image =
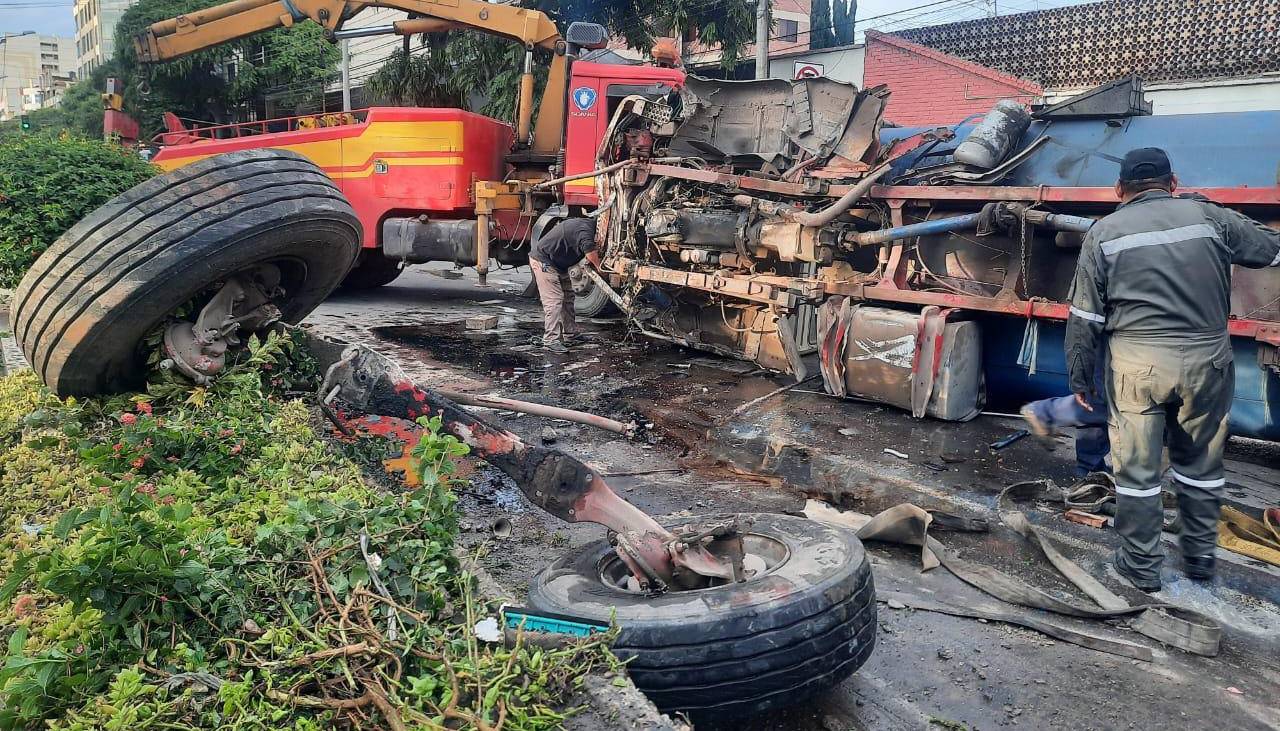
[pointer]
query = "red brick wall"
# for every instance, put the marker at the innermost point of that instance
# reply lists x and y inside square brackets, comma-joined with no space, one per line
[931,88]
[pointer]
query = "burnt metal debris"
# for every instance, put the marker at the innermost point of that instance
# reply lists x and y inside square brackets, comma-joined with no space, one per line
[658,558]
[770,220]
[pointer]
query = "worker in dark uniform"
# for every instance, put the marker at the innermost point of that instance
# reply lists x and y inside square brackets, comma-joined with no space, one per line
[553,255]
[1154,281]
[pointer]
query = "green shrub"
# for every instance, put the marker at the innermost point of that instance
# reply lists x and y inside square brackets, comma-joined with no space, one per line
[204,558]
[48,183]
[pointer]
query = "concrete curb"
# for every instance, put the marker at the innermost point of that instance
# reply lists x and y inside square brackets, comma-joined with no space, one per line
[11,358]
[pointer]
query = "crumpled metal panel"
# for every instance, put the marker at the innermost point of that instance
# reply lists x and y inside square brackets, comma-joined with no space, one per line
[767,122]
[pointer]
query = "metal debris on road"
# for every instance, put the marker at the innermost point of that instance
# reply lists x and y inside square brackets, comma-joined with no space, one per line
[1006,441]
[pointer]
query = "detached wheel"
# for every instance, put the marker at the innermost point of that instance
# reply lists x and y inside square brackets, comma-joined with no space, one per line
[804,623]
[265,216]
[589,300]
[372,270]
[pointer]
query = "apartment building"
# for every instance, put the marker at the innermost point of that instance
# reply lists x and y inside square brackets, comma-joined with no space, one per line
[95,32]
[28,61]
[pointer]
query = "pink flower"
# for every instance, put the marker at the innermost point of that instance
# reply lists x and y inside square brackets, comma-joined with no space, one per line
[225,433]
[144,408]
[104,490]
[138,463]
[169,500]
[117,447]
[128,419]
[238,448]
[147,488]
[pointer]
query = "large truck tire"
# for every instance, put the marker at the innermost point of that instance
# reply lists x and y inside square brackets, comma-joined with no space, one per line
[737,649]
[86,304]
[372,270]
[589,300]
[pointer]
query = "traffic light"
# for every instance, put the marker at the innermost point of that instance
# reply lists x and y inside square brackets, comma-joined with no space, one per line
[24,122]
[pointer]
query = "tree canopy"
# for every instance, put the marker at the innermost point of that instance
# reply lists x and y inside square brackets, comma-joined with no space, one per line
[821,34]
[218,84]
[456,65]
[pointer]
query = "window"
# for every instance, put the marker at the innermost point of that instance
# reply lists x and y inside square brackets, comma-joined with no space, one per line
[788,30]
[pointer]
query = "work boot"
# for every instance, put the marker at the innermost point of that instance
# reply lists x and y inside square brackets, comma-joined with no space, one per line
[555,346]
[1199,568]
[1150,586]
[1038,427]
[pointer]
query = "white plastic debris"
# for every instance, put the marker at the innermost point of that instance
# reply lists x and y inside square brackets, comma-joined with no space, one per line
[486,630]
[896,453]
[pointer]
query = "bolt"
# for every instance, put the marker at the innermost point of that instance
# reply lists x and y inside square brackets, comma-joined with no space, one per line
[587,478]
[571,511]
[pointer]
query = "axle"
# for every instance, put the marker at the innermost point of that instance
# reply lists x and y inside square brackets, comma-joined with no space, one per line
[554,481]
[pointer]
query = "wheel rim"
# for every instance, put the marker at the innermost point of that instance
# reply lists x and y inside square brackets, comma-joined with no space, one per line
[763,555]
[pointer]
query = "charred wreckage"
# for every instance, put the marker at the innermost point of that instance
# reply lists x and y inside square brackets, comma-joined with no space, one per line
[771,220]
[766,220]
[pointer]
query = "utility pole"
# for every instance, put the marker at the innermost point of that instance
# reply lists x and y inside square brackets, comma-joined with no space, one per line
[346,74]
[762,39]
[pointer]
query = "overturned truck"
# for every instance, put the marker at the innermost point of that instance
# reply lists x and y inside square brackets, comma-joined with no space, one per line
[926,268]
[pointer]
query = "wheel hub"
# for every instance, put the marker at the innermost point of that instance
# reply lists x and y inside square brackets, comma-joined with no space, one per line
[243,303]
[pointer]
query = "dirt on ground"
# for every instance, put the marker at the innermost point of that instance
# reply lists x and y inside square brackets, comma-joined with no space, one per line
[693,454]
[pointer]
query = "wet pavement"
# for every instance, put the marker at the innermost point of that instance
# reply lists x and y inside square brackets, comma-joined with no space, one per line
[696,455]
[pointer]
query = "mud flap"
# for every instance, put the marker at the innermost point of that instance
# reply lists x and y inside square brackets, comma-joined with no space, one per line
[928,358]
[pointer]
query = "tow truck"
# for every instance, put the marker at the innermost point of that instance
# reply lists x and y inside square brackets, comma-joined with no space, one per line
[431,184]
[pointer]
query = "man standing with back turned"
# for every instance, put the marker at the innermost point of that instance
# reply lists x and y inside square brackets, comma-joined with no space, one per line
[1154,279]
[553,255]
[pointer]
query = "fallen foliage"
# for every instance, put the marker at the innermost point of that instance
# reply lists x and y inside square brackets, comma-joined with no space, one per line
[202,558]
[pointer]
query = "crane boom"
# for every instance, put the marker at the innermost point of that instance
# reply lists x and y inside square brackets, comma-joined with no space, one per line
[170,39]
[176,37]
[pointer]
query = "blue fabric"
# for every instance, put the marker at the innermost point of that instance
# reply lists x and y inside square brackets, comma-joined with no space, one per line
[1092,441]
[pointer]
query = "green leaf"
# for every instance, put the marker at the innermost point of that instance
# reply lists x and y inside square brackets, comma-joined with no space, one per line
[18,640]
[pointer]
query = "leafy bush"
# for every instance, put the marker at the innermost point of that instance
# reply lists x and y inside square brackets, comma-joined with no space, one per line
[48,183]
[202,558]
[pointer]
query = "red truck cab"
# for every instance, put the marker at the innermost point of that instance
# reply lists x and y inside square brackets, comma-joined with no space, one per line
[595,90]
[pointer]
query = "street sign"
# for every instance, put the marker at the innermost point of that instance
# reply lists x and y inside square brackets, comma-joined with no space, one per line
[808,70]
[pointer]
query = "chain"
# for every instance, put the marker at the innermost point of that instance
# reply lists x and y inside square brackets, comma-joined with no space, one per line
[1025,254]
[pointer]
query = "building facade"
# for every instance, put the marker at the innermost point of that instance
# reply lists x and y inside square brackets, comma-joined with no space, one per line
[95,32]
[32,64]
[930,87]
[1193,56]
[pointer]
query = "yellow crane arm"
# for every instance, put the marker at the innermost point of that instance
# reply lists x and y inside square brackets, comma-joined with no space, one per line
[170,39]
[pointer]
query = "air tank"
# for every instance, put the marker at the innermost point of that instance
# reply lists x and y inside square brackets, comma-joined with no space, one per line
[994,137]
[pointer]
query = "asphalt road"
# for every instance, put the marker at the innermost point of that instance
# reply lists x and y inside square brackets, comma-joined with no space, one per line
[929,670]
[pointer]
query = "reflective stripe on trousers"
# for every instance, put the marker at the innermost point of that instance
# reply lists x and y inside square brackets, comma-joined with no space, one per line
[1180,386]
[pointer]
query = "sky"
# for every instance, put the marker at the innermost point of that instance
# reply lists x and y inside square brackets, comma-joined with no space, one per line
[55,16]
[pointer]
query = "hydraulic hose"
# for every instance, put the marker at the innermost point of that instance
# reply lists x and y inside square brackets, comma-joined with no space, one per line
[846,201]
[816,218]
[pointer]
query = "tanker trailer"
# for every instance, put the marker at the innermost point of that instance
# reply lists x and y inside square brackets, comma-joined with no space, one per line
[788,224]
